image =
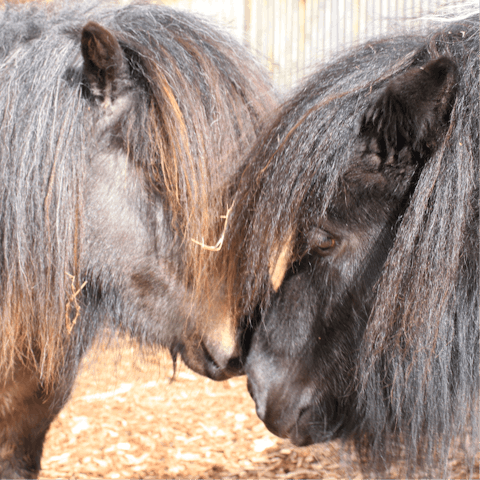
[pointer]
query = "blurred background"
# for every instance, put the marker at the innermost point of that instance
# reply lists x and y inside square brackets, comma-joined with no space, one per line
[292,36]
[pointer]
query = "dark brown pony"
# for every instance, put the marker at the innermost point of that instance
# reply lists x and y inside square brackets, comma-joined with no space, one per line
[119,129]
[353,248]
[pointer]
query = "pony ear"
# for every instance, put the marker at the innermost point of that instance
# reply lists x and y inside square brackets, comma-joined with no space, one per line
[103,60]
[413,111]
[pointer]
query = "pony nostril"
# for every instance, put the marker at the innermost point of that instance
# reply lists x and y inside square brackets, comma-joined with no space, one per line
[208,357]
[303,411]
[217,370]
[235,366]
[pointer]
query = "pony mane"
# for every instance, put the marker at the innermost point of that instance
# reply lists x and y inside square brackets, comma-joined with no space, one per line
[305,148]
[42,152]
[207,101]
[419,374]
[204,100]
[418,378]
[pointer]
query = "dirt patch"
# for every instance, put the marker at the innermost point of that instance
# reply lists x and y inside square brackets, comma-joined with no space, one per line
[127,419]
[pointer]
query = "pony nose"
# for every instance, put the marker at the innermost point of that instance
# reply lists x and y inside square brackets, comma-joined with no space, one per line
[223,357]
[266,409]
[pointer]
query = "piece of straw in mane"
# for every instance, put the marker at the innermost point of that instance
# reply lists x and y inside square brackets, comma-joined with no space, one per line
[218,246]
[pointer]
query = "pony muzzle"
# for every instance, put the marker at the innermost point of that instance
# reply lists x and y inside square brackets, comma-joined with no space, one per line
[216,352]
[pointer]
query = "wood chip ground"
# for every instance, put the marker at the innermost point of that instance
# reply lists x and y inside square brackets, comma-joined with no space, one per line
[128,419]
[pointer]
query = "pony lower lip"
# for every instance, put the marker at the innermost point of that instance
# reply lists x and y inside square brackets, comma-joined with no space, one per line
[295,431]
[299,434]
[301,441]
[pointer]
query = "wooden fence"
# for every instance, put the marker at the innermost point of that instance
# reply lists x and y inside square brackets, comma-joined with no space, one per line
[291,36]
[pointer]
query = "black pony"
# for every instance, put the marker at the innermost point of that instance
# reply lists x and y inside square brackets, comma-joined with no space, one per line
[119,129]
[354,239]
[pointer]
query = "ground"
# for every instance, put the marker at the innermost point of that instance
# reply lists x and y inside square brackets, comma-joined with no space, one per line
[128,419]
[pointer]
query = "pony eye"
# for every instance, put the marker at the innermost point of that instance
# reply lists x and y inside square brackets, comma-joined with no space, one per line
[326,244]
[321,241]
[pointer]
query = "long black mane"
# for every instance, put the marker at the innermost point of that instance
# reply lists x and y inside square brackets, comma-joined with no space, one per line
[418,365]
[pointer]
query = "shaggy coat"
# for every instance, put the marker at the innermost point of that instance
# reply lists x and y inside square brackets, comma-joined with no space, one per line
[353,249]
[119,128]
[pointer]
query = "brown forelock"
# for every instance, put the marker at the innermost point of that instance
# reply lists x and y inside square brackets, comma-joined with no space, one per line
[197,139]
